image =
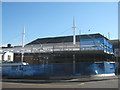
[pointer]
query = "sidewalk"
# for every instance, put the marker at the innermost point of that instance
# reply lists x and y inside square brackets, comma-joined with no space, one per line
[53,81]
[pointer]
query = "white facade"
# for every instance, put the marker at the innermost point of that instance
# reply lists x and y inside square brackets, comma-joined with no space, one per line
[8,56]
[1,57]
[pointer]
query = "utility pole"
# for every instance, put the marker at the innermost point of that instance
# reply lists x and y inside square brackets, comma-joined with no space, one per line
[74,32]
[23,38]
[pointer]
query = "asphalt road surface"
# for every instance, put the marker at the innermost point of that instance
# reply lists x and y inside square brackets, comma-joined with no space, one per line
[113,83]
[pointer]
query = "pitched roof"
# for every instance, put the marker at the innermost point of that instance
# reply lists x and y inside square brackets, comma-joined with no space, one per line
[65,39]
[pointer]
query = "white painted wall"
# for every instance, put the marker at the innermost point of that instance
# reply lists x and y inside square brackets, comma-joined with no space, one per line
[1,58]
[8,56]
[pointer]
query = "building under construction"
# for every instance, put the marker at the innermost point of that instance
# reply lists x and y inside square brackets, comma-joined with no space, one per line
[86,55]
[88,48]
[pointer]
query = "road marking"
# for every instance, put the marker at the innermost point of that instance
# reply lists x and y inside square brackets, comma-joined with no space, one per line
[60,85]
[23,83]
[81,84]
[42,84]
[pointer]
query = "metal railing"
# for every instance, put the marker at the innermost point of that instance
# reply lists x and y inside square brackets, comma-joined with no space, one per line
[51,48]
[42,49]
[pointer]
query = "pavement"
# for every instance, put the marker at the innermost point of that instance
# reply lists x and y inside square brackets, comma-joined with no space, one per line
[93,82]
[73,83]
[53,81]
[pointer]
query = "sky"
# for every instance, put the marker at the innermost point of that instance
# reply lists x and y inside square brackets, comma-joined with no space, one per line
[54,19]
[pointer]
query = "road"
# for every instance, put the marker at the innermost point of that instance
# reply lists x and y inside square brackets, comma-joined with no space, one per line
[113,83]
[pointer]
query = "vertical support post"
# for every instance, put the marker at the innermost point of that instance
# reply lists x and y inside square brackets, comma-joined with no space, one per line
[74,32]
[74,66]
[23,36]
[80,38]
[44,65]
[22,56]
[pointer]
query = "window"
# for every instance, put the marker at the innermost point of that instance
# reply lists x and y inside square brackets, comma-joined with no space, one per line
[9,57]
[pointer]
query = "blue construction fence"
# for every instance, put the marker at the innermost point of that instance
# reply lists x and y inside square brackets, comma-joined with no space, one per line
[70,69]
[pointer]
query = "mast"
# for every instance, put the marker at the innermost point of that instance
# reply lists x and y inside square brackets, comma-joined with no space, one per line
[74,43]
[74,32]
[23,36]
